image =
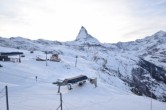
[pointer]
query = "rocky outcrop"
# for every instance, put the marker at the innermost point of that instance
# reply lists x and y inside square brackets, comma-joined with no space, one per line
[149,79]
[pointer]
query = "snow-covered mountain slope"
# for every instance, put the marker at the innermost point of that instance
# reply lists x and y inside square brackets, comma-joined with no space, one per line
[28,94]
[27,44]
[122,69]
[147,46]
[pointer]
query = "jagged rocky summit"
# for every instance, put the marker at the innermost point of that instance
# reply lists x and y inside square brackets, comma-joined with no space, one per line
[84,38]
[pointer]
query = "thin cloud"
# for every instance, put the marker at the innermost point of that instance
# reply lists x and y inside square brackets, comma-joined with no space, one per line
[107,20]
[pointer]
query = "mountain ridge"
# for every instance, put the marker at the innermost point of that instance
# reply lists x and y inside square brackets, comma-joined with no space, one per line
[121,60]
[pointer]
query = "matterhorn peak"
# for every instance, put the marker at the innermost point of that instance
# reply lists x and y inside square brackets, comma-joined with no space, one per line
[84,37]
[83,34]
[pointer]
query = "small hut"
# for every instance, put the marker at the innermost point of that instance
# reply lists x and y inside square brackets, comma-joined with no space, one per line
[55,57]
[4,56]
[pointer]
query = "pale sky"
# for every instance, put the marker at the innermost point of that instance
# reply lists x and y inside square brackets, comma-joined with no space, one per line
[109,21]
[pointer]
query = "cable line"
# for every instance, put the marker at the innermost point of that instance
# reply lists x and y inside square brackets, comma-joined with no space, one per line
[27,78]
[2,96]
[2,90]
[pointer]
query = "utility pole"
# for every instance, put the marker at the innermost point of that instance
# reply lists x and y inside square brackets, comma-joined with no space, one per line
[151,91]
[58,83]
[59,87]
[61,100]
[7,104]
[151,102]
[19,59]
[76,61]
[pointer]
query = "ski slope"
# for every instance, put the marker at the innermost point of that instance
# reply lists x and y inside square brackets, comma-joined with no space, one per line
[25,93]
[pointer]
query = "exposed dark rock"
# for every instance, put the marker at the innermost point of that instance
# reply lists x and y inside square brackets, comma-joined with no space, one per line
[156,72]
[146,76]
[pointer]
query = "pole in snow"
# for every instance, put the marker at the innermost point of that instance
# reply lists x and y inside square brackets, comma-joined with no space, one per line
[61,101]
[76,61]
[151,91]
[46,57]
[7,103]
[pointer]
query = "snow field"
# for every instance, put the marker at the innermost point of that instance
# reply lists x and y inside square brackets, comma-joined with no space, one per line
[25,93]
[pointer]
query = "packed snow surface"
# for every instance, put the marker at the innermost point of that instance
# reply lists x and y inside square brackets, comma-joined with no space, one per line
[25,93]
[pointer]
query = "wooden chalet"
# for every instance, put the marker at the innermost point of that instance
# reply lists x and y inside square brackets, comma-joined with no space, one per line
[55,57]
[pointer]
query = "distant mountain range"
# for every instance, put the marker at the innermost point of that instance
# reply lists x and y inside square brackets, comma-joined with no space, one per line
[140,64]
